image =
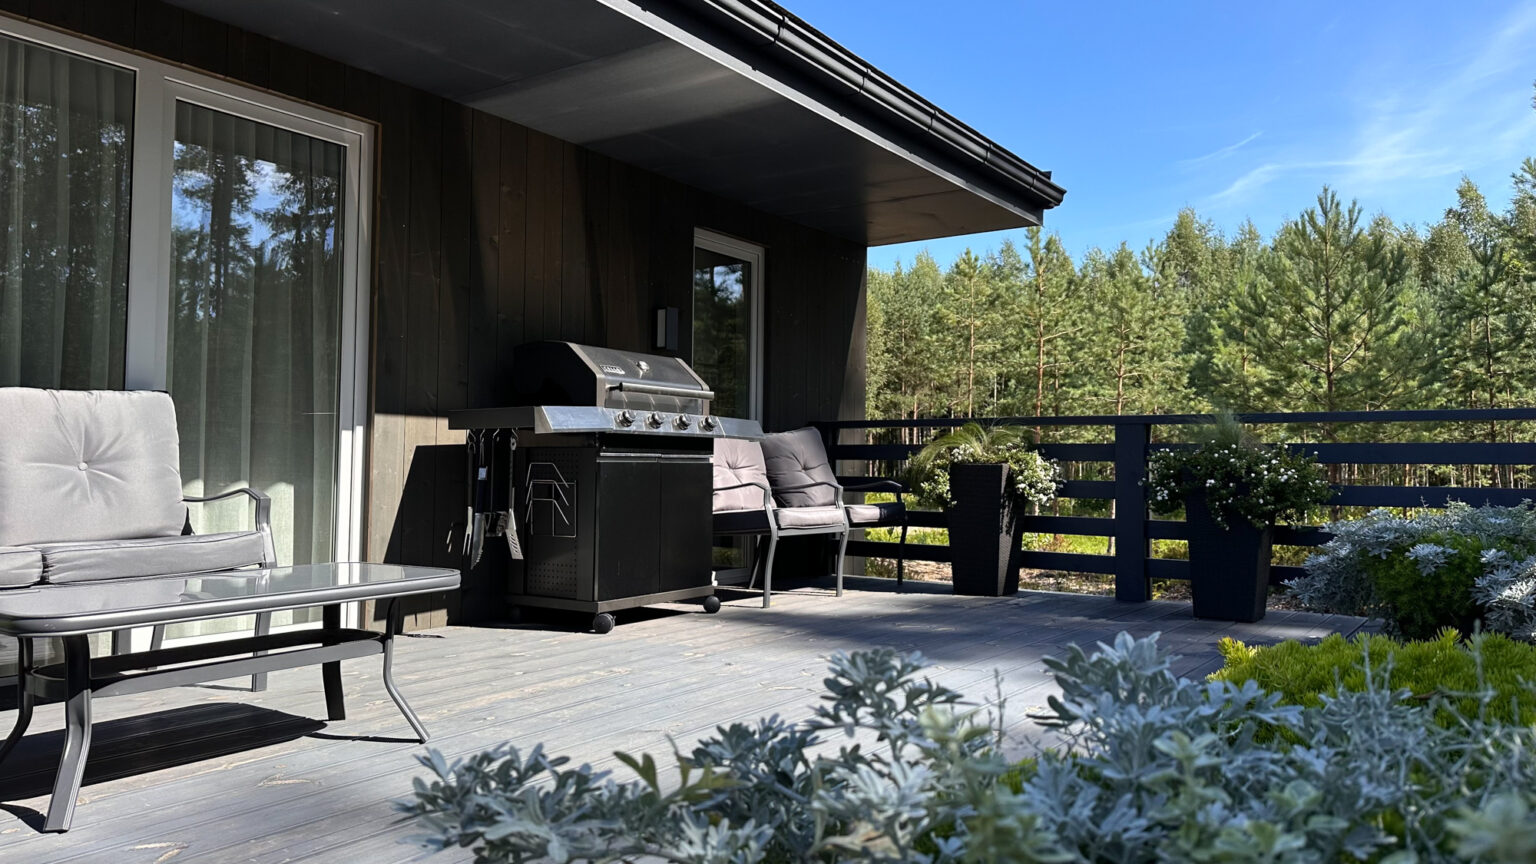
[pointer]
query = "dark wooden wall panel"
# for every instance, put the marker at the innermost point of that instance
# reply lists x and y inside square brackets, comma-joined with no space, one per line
[487,234]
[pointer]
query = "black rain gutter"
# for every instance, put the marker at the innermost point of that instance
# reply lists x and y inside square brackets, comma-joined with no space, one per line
[789,43]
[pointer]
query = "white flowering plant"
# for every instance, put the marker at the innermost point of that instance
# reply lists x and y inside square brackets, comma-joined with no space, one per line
[1034,478]
[1240,478]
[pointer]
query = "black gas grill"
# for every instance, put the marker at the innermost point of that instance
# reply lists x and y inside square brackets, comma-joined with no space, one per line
[599,479]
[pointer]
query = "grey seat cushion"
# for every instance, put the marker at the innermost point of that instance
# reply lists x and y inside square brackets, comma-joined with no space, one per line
[87,465]
[741,521]
[20,566]
[795,459]
[810,517]
[801,518]
[149,556]
[738,461]
[887,513]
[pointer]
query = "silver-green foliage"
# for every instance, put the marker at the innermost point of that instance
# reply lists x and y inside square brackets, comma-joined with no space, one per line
[1338,580]
[1154,767]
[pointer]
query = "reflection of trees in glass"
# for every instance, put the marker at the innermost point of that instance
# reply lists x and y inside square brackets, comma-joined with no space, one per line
[721,323]
[64,185]
[255,328]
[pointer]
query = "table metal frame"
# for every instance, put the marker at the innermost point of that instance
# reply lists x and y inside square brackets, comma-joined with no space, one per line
[81,678]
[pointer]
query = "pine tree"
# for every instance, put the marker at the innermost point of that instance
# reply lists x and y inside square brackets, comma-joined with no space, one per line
[1325,322]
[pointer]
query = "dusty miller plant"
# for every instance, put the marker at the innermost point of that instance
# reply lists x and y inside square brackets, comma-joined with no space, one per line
[912,765]
[1338,579]
[1152,767]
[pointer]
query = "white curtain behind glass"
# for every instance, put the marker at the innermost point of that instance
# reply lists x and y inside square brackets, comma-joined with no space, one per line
[64,185]
[255,322]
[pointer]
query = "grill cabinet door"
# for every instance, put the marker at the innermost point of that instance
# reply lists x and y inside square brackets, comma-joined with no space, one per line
[628,526]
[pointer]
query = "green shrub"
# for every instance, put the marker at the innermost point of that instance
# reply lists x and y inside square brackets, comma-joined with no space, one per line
[1423,600]
[1445,666]
[1454,567]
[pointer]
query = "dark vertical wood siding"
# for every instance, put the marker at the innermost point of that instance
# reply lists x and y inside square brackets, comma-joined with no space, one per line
[488,234]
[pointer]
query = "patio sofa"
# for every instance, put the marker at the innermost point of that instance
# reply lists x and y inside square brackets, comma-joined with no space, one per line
[785,486]
[90,489]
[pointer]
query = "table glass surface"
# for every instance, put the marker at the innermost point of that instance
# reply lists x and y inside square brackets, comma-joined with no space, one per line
[336,582]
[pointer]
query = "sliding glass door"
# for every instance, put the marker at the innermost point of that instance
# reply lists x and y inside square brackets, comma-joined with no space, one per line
[254,347]
[164,230]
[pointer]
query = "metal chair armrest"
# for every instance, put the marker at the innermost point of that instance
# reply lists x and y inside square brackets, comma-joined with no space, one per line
[852,484]
[263,503]
[263,516]
[767,492]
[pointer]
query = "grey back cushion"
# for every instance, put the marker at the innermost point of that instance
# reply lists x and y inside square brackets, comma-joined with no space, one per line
[738,461]
[796,459]
[87,465]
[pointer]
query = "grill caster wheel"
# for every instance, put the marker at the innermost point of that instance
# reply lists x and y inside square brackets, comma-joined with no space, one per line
[711,604]
[602,622]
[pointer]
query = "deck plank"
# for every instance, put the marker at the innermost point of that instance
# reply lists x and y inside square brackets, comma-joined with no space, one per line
[254,777]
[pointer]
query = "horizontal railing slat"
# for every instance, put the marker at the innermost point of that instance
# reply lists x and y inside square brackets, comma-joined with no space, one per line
[1079,452]
[1450,415]
[927,518]
[1167,568]
[1428,496]
[1422,453]
[871,452]
[1087,489]
[909,551]
[1285,535]
[1284,573]
[1072,562]
[1090,525]
[1300,535]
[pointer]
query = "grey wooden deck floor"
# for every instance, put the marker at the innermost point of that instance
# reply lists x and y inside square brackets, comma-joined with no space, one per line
[216,774]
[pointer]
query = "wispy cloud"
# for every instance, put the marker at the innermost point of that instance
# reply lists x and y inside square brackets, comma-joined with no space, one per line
[1410,124]
[1220,153]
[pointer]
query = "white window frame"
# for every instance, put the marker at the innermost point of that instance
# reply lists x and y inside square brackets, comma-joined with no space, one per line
[752,253]
[157,87]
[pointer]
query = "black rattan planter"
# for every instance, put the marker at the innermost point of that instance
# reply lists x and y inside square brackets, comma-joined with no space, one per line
[1228,567]
[984,531]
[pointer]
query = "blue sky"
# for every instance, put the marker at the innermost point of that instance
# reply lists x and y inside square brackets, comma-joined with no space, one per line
[1236,109]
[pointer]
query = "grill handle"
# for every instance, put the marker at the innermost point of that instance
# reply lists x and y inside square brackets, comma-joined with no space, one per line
[662,390]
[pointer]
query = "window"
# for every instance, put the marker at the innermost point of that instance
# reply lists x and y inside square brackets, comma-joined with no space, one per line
[65,148]
[727,316]
[164,230]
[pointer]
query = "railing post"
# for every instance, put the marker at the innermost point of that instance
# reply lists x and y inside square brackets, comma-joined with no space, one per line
[1131,547]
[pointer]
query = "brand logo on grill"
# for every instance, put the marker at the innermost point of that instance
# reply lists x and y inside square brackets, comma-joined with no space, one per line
[613,370]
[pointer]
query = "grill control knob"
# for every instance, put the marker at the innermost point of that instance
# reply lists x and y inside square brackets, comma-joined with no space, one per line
[708,424]
[654,421]
[682,422]
[626,418]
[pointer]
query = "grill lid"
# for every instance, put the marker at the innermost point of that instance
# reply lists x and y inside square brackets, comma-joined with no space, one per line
[565,373]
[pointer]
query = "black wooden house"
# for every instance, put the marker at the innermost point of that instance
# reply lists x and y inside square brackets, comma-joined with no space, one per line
[324,224]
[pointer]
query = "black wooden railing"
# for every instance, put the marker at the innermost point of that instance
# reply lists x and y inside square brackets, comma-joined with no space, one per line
[1131,442]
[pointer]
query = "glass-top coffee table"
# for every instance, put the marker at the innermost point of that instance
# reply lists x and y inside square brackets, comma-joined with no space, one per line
[74,611]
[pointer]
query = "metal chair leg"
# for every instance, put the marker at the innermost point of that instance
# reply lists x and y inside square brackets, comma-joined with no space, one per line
[330,673]
[842,549]
[77,736]
[901,557]
[24,697]
[393,616]
[773,543]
